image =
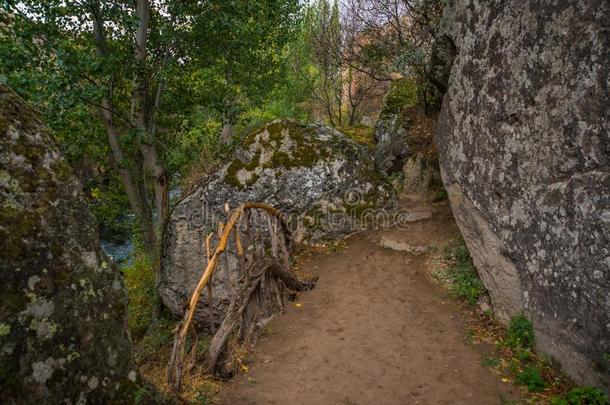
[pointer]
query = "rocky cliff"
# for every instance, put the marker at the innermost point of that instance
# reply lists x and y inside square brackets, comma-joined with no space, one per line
[323,182]
[63,335]
[524,139]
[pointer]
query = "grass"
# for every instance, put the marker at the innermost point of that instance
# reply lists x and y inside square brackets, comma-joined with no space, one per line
[514,357]
[460,275]
[490,362]
[140,283]
[153,340]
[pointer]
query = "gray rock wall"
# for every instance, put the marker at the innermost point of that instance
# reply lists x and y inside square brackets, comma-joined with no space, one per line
[63,335]
[524,139]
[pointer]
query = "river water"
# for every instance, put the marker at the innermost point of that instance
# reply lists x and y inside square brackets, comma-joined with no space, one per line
[120,249]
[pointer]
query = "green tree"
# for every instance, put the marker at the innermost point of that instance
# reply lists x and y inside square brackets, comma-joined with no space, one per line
[243,53]
[121,82]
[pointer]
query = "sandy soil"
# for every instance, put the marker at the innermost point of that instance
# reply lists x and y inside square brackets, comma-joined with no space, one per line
[375,330]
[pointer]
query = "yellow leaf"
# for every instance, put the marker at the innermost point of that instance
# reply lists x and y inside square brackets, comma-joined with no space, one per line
[505,380]
[298,305]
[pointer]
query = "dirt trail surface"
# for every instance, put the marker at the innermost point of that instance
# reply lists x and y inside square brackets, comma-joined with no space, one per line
[375,330]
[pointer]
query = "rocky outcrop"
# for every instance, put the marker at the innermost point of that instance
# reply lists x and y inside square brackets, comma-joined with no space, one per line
[322,181]
[391,150]
[63,336]
[524,139]
[420,174]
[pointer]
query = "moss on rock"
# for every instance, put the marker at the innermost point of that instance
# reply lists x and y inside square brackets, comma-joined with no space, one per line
[63,330]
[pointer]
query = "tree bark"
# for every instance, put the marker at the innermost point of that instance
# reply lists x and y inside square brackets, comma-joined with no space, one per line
[143,118]
[135,194]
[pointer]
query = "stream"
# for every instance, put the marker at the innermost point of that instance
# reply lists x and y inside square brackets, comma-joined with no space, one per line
[119,246]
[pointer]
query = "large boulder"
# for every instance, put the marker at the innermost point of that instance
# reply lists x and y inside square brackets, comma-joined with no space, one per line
[524,139]
[391,149]
[324,182]
[63,336]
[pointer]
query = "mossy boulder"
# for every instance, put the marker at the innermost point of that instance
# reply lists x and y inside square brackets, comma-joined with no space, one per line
[324,182]
[391,150]
[62,303]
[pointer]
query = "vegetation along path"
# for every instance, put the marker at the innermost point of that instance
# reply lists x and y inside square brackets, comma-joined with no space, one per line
[376,329]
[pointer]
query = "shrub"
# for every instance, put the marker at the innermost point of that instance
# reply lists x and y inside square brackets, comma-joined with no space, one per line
[140,282]
[583,396]
[520,332]
[403,93]
[530,377]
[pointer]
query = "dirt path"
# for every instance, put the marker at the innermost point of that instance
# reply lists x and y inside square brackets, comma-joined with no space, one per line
[375,330]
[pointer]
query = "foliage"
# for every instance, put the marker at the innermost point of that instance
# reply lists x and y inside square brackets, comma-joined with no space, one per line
[583,396]
[461,274]
[140,283]
[440,195]
[160,108]
[245,41]
[520,332]
[158,335]
[530,376]
[403,93]
[394,38]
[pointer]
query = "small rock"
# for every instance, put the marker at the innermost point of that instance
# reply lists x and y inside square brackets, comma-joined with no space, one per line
[401,246]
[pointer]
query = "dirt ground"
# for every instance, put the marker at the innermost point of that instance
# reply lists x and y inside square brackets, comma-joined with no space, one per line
[375,330]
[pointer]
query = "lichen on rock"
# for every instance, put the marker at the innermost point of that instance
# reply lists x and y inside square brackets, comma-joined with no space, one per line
[524,148]
[56,288]
[322,181]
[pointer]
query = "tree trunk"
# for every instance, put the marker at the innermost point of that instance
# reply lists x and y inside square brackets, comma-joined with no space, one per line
[137,200]
[142,117]
[136,192]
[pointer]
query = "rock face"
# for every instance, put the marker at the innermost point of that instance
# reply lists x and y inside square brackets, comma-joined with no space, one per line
[419,174]
[391,128]
[63,335]
[524,139]
[323,181]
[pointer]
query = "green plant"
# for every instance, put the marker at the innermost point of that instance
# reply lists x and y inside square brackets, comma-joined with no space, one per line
[490,362]
[141,394]
[530,377]
[204,393]
[462,276]
[523,354]
[582,396]
[157,336]
[520,332]
[440,195]
[140,282]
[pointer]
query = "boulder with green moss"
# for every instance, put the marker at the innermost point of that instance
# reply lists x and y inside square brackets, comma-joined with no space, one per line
[391,150]
[63,335]
[324,182]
